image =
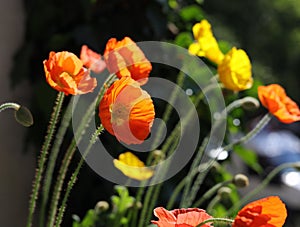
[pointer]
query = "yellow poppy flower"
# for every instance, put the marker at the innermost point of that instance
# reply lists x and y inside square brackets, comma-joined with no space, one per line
[131,166]
[235,70]
[206,44]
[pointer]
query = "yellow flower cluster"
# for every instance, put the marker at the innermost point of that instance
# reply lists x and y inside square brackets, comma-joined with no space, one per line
[234,68]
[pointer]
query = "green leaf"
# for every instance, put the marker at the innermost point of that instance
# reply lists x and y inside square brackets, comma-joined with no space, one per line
[224,46]
[191,13]
[123,201]
[184,39]
[248,157]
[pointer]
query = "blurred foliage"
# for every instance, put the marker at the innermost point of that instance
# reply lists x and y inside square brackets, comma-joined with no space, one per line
[268,31]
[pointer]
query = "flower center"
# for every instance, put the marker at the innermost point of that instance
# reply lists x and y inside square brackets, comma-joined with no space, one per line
[119,113]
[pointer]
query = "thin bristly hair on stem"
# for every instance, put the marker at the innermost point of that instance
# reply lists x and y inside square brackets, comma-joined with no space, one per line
[74,176]
[43,156]
[52,159]
[71,150]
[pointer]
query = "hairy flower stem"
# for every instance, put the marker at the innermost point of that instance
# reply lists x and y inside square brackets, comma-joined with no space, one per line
[43,157]
[152,199]
[52,159]
[189,195]
[225,220]
[185,197]
[178,189]
[9,105]
[260,125]
[259,188]
[71,150]
[74,176]
[166,115]
[169,142]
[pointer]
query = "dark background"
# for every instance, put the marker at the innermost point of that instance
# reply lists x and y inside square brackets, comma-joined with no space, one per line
[267,30]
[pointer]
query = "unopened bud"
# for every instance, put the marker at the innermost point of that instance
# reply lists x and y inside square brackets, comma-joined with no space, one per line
[101,206]
[158,155]
[250,103]
[23,116]
[224,192]
[240,180]
[138,205]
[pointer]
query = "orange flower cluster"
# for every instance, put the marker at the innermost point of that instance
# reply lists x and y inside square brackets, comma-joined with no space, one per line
[125,58]
[126,110]
[266,212]
[274,98]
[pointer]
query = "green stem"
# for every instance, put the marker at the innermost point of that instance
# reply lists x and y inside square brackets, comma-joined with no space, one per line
[212,203]
[226,220]
[259,188]
[59,182]
[178,188]
[188,195]
[52,160]
[71,150]
[43,156]
[149,193]
[167,112]
[260,125]
[74,176]
[166,146]
[9,105]
[65,165]
[208,194]
[187,198]
[157,187]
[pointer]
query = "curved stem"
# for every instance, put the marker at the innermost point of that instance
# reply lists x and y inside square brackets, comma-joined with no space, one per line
[260,187]
[214,201]
[210,192]
[9,105]
[226,220]
[260,125]
[43,156]
[74,176]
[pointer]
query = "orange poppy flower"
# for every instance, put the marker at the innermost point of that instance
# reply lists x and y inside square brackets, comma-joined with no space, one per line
[189,217]
[127,111]
[266,212]
[274,98]
[125,58]
[92,60]
[65,72]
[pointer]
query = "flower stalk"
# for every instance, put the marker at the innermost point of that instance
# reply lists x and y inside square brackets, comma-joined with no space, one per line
[43,157]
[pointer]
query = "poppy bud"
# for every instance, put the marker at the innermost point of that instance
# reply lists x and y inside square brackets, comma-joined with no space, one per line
[240,180]
[101,206]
